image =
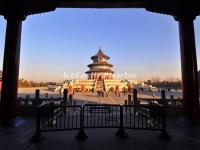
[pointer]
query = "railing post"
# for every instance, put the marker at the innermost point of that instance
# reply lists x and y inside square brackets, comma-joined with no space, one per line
[70,99]
[65,93]
[121,131]
[164,135]
[38,136]
[129,99]
[81,134]
[135,98]
[163,98]
[125,102]
[37,96]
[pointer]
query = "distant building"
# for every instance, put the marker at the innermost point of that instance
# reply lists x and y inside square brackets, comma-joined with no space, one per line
[100,78]
[100,69]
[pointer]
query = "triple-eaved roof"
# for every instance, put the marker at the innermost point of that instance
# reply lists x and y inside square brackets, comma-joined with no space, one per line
[100,54]
[95,70]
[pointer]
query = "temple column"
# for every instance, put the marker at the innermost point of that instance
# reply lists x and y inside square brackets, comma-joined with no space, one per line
[189,68]
[10,69]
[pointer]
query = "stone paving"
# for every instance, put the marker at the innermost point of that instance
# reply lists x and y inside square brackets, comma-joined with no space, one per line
[84,98]
[184,137]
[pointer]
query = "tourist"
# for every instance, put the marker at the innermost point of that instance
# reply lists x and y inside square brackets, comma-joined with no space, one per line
[153,94]
[106,94]
[102,93]
[98,93]
[124,92]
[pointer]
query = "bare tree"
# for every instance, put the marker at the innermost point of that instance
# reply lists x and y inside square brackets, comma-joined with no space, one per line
[155,79]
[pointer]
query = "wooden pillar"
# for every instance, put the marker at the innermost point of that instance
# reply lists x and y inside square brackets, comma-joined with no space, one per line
[189,68]
[10,69]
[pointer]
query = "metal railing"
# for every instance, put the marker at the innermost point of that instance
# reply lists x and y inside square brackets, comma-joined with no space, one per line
[52,117]
[146,117]
[101,116]
[29,106]
[58,118]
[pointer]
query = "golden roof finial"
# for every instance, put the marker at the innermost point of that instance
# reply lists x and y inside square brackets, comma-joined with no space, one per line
[100,47]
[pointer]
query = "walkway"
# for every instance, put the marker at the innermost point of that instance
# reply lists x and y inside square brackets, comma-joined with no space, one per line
[101,139]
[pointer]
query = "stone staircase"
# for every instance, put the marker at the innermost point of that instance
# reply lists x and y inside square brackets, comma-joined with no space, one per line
[100,86]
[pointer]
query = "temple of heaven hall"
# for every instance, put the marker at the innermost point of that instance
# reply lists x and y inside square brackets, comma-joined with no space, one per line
[100,69]
[100,77]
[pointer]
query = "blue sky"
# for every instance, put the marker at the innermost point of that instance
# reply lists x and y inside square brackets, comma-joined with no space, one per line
[137,41]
